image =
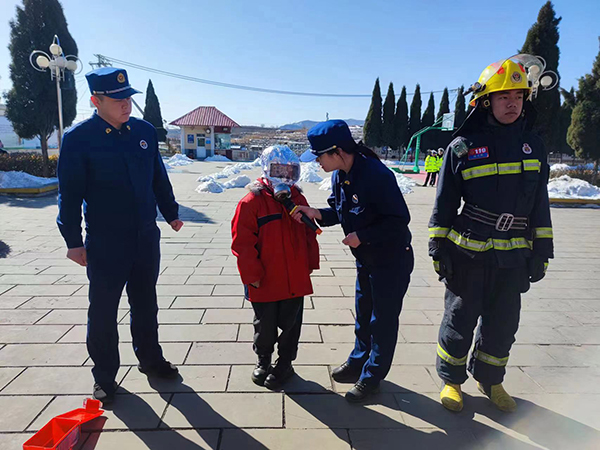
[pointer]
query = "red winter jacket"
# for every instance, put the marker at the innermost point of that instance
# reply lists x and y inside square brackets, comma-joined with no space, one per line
[273,248]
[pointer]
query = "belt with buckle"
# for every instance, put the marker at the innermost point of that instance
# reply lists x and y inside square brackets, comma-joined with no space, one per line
[501,222]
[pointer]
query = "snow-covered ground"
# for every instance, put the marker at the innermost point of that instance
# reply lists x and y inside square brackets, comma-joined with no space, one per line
[559,167]
[210,186]
[20,180]
[567,187]
[217,158]
[310,173]
[179,160]
[237,182]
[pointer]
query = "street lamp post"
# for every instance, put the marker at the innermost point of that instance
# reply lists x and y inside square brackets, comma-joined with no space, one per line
[57,63]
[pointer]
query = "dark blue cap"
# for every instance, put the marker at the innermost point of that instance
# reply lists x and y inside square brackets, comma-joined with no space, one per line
[327,136]
[110,81]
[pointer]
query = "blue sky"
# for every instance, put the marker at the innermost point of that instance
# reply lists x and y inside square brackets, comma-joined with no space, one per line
[310,46]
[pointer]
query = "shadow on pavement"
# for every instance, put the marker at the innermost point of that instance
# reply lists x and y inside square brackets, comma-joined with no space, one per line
[198,413]
[424,423]
[4,249]
[30,202]
[190,215]
[543,426]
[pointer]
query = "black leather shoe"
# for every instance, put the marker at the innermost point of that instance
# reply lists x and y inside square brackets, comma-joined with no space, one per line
[346,373]
[163,369]
[361,391]
[282,372]
[106,396]
[262,370]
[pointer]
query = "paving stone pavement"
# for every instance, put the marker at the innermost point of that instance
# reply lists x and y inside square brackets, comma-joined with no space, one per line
[554,369]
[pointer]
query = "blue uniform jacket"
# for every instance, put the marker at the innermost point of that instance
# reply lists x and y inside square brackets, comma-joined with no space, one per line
[118,175]
[368,201]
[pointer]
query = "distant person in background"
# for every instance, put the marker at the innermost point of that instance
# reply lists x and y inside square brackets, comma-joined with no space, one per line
[431,167]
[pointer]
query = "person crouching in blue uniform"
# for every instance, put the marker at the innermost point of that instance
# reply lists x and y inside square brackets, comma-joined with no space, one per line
[110,163]
[367,202]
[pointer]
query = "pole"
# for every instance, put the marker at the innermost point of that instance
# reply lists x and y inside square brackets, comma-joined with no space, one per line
[60,115]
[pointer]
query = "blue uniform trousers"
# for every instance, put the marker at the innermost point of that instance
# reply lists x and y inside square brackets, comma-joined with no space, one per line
[380,291]
[494,295]
[115,260]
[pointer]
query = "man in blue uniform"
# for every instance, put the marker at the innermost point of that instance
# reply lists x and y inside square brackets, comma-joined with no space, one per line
[110,163]
[369,205]
[500,242]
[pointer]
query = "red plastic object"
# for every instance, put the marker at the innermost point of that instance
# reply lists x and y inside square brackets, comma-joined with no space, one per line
[63,432]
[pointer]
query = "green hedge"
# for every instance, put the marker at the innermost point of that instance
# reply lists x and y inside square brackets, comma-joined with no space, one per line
[31,163]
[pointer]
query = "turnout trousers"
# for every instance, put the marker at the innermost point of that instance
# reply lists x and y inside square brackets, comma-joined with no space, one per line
[488,295]
[268,317]
[117,260]
[380,292]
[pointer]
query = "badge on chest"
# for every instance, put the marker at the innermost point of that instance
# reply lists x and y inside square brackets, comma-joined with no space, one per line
[478,153]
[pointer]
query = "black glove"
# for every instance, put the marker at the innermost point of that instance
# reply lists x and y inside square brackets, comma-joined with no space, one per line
[442,263]
[537,268]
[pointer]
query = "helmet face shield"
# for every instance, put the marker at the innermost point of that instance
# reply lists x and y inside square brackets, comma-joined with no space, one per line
[520,71]
[280,165]
[287,171]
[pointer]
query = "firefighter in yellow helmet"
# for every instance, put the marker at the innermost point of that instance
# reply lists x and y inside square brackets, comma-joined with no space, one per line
[488,253]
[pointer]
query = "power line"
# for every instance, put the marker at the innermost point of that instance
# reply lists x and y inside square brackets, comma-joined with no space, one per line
[106,59]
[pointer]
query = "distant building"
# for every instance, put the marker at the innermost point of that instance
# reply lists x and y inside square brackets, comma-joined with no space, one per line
[205,132]
[11,140]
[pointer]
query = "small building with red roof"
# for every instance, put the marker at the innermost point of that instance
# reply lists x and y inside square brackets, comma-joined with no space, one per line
[205,131]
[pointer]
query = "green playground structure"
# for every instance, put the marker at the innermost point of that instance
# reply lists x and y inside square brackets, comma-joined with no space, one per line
[444,123]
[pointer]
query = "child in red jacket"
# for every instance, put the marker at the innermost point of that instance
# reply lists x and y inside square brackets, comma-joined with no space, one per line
[276,256]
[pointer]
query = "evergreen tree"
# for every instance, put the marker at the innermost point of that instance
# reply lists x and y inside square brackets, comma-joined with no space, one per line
[444,105]
[542,40]
[584,133]
[152,112]
[460,113]
[566,111]
[414,123]
[429,114]
[388,117]
[401,122]
[373,127]
[31,104]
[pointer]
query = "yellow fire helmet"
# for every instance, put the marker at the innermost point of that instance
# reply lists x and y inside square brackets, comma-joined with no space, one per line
[524,72]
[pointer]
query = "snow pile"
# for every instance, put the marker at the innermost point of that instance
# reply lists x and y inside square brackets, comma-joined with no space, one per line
[404,183]
[326,184]
[256,162]
[309,173]
[210,186]
[230,170]
[179,160]
[559,167]
[217,158]
[245,166]
[17,180]
[567,187]
[238,182]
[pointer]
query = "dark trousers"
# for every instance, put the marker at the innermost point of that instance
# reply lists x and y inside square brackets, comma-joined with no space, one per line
[117,260]
[430,176]
[268,317]
[379,295]
[489,293]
